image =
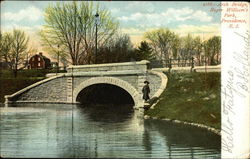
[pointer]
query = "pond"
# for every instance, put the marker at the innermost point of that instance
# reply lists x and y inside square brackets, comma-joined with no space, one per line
[65,130]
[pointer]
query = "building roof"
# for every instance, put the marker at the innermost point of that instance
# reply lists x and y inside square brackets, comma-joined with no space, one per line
[42,56]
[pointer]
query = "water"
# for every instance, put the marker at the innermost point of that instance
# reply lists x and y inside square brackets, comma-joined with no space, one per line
[58,130]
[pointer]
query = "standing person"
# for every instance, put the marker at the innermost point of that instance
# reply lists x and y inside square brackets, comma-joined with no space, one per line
[146,91]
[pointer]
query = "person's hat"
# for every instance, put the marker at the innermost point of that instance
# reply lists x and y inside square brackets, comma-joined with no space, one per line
[146,82]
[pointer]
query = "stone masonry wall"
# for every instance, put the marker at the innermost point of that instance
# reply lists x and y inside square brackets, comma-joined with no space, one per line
[131,79]
[155,83]
[51,91]
[56,89]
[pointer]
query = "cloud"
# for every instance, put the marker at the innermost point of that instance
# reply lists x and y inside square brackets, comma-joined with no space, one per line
[182,14]
[202,16]
[166,17]
[30,13]
[115,10]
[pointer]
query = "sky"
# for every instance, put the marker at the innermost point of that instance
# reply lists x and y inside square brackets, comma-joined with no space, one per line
[135,17]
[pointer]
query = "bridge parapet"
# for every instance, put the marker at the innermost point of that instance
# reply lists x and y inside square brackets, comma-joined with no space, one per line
[126,66]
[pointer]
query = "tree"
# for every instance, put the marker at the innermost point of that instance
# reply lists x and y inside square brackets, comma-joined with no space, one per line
[118,49]
[144,52]
[5,46]
[217,48]
[72,26]
[188,44]
[198,49]
[176,46]
[14,49]
[212,48]
[162,41]
[19,49]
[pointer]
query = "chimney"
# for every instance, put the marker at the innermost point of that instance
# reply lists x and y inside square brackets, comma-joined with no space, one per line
[40,53]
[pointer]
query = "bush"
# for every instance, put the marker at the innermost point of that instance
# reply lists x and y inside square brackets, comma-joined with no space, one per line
[28,73]
[12,85]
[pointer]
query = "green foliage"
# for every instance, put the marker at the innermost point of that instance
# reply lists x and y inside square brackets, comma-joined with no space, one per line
[212,48]
[192,97]
[144,52]
[29,73]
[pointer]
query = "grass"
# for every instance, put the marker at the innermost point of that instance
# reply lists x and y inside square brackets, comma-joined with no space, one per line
[10,85]
[191,97]
[28,73]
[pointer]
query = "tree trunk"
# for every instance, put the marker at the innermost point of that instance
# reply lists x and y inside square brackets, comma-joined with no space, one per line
[15,73]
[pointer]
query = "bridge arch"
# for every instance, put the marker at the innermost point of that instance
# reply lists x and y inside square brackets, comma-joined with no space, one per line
[108,80]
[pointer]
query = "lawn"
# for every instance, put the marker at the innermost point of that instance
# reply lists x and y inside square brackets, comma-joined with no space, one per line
[191,97]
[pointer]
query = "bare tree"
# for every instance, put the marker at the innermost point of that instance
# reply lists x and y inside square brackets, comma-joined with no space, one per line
[212,48]
[72,26]
[162,42]
[19,49]
[5,46]
[118,49]
[198,49]
[14,49]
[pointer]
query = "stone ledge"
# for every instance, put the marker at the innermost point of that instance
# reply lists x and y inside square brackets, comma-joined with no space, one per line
[106,73]
[143,62]
[216,68]
[216,131]
[7,97]
[164,80]
[37,101]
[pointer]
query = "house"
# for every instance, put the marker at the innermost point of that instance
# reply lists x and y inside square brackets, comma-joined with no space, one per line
[39,61]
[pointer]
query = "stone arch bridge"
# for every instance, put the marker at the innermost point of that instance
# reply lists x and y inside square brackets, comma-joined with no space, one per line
[65,87]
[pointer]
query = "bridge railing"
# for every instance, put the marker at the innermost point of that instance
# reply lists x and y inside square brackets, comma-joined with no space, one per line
[125,66]
[172,62]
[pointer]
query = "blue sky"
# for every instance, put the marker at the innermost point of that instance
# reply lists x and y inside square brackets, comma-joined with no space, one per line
[135,17]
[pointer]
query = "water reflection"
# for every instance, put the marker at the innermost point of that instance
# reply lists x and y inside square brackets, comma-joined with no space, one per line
[106,113]
[50,130]
[184,139]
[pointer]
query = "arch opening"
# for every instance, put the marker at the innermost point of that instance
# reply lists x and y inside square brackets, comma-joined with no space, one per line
[104,94]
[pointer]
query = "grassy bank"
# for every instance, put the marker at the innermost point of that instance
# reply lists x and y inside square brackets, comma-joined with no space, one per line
[191,97]
[10,85]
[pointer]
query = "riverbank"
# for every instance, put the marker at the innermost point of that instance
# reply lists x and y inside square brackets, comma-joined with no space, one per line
[190,98]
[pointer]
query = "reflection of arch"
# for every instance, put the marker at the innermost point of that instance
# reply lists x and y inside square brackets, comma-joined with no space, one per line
[108,80]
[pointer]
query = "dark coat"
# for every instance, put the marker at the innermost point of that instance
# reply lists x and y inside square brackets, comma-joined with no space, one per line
[146,91]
